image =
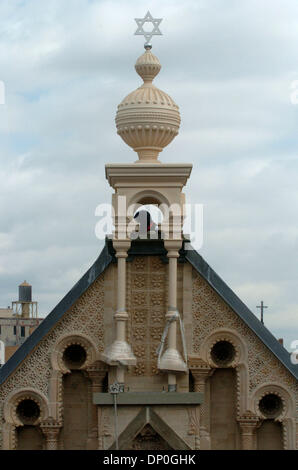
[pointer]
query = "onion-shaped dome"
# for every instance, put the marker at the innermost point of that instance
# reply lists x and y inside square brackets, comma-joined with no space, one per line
[148,119]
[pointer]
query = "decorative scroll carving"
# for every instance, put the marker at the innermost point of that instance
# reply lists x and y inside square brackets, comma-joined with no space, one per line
[148,439]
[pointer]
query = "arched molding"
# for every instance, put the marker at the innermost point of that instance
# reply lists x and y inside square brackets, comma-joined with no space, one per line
[171,209]
[69,340]
[59,368]
[286,416]
[16,397]
[148,197]
[288,403]
[224,334]
[239,362]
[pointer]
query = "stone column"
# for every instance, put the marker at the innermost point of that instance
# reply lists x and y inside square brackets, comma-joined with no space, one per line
[96,376]
[172,247]
[9,436]
[119,353]
[172,306]
[248,425]
[121,315]
[104,430]
[51,429]
[200,376]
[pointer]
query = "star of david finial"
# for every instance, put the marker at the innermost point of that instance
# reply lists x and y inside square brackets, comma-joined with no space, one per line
[148,18]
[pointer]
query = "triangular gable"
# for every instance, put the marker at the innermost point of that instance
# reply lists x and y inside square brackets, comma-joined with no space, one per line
[231,299]
[148,416]
[145,248]
[102,262]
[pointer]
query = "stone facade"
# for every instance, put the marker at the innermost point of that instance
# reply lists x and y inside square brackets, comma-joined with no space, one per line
[15,330]
[229,418]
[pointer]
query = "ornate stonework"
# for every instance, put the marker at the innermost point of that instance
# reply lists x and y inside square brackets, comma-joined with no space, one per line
[194,425]
[84,318]
[104,427]
[40,376]
[146,300]
[148,439]
[112,331]
[148,119]
[210,313]
[51,430]
[257,368]
[248,423]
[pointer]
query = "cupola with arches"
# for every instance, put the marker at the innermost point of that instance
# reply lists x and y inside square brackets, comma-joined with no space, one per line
[148,202]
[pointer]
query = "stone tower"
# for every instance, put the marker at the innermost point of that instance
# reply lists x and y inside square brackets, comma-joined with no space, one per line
[148,119]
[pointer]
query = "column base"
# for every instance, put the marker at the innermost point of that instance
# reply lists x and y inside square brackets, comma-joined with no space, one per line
[119,353]
[172,361]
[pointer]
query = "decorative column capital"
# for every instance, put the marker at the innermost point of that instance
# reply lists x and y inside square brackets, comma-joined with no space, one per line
[173,247]
[199,368]
[50,424]
[96,374]
[200,371]
[121,247]
[50,427]
[248,420]
[248,423]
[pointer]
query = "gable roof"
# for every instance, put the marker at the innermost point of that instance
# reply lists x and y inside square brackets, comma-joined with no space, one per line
[147,248]
[241,309]
[104,259]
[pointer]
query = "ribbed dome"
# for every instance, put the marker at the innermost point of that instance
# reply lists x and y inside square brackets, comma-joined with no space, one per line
[148,119]
[149,95]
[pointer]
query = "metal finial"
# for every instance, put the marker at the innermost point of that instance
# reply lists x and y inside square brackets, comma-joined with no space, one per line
[148,18]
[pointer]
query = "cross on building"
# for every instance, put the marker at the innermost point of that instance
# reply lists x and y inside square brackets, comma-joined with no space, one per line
[262,306]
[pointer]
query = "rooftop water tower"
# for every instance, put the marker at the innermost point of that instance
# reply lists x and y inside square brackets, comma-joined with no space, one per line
[25,307]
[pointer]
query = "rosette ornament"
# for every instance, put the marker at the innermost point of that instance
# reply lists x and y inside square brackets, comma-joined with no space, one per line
[148,119]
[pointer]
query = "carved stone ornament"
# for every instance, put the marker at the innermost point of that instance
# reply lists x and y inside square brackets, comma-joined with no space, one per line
[148,119]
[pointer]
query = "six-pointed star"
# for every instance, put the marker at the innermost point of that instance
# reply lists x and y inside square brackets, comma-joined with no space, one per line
[148,19]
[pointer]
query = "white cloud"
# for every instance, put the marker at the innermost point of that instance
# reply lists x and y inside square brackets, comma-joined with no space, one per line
[229,65]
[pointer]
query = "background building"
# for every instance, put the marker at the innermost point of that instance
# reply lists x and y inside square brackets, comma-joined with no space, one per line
[18,321]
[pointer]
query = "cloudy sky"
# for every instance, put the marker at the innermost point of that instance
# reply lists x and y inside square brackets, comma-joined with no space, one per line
[229,64]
